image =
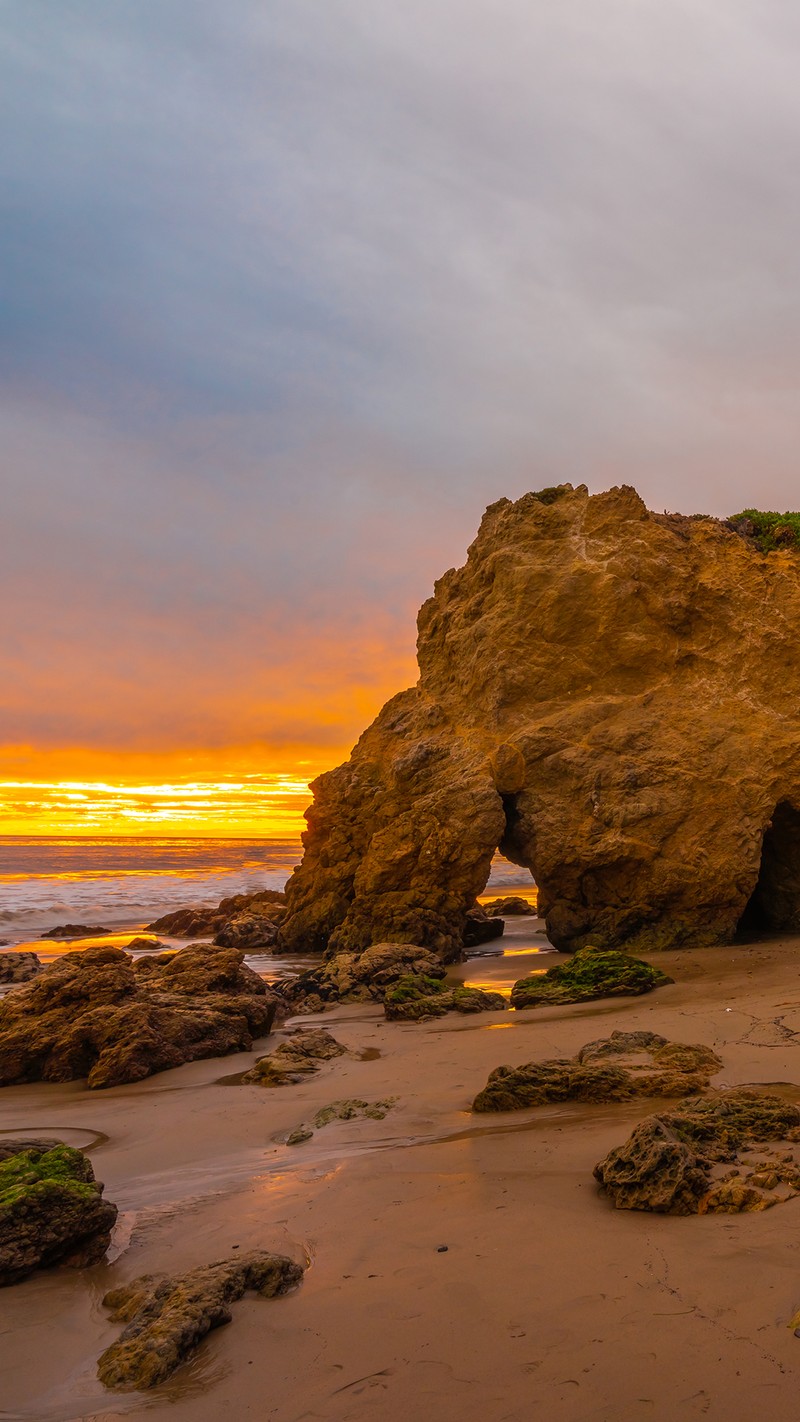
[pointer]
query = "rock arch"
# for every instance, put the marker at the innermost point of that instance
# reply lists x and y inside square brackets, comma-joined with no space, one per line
[607,694]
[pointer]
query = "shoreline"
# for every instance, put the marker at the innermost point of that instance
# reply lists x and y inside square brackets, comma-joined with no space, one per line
[546,1299]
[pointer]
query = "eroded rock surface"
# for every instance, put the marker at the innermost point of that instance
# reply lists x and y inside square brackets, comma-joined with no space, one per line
[614,1068]
[365,977]
[298,1057]
[610,696]
[590,973]
[413,999]
[510,907]
[19,967]
[248,921]
[100,1015]
[51,1211]
[166,1318]
[718,1154]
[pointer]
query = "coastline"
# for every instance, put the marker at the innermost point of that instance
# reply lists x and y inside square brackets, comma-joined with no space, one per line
[546,1299]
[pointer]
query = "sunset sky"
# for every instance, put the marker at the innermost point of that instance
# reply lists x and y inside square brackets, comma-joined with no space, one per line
[292,289]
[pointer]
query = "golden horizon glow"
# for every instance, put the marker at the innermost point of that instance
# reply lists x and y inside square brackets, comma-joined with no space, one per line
[166,798]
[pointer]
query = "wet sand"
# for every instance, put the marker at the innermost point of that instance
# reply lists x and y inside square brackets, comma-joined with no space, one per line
[547,1301]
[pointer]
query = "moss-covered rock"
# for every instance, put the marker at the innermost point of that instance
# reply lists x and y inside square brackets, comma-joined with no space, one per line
[616,1068]
[51,1212]
[167,1318]
[590,973]
[413,999]
[675,1162]
[768,530]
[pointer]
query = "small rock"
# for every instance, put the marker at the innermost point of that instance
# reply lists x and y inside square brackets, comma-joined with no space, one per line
[298,1135]
[76,930]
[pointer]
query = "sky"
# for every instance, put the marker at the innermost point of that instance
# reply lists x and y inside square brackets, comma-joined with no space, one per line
[292,290]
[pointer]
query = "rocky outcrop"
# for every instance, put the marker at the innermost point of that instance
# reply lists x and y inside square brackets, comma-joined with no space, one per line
[481,927]
[415,999]
[101,1015]
[353,977]
[246,921]
[708,1156]
[510,907]
[615,1068]
[52,1211]
[607,694]
[167,1318]
[298,1057]
[76,930]
[590,973]
[19,967]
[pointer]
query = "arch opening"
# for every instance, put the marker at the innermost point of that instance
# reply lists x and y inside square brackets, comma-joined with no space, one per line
[774,904]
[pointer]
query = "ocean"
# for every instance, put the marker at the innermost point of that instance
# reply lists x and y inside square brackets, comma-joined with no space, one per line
[121,883]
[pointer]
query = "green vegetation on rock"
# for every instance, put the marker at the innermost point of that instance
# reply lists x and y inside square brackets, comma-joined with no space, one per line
[591,972]
[768,530]
[51,1212]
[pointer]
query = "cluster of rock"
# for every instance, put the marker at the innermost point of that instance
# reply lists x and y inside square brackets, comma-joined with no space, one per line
[348,1109]
[364,977]
[415,999]
[615,1068]
[583,703]
[510,907]
[19,967]
[708,1156]
[590,973]
[52,1209]
[166,1318]
[295,1059]
[248,921]
[99,1014]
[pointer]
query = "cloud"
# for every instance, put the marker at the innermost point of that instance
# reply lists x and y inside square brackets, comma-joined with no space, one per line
[293,290]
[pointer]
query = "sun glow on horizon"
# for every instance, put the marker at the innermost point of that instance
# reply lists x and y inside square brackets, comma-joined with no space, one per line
[243,805]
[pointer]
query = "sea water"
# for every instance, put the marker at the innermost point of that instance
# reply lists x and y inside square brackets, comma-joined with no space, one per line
[119,883]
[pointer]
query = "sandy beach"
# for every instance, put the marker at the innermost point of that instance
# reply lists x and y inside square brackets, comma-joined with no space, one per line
[546,1301]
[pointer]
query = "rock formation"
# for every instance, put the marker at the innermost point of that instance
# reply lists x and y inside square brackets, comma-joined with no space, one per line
[248,921]
[295,1059]
[101,1015]
[708,1156]
[415,999]
[167,1318]
[19,967]
[589,974]
[607,694]
[52,1211]
[615,1068]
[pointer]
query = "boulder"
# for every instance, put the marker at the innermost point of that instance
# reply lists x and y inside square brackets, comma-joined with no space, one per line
[76,930]
[510,907]
[366,977]
[264,904]
[615,1068]
[606,694]
[99,1014]
[51,1211]
[298,1057]
[481,927]
[708,1156]
[167,1318]
[590,973]
[19,967]
[139,944]
[414,999]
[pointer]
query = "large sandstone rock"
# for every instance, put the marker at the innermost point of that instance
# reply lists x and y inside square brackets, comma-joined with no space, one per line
[100,1015]
[607,694]
[167,1318]
[51,1211]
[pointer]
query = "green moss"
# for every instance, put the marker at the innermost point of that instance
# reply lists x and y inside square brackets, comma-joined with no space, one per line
[589,973]
[37,1171]
[550,495]
[768,530]
[412,987]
